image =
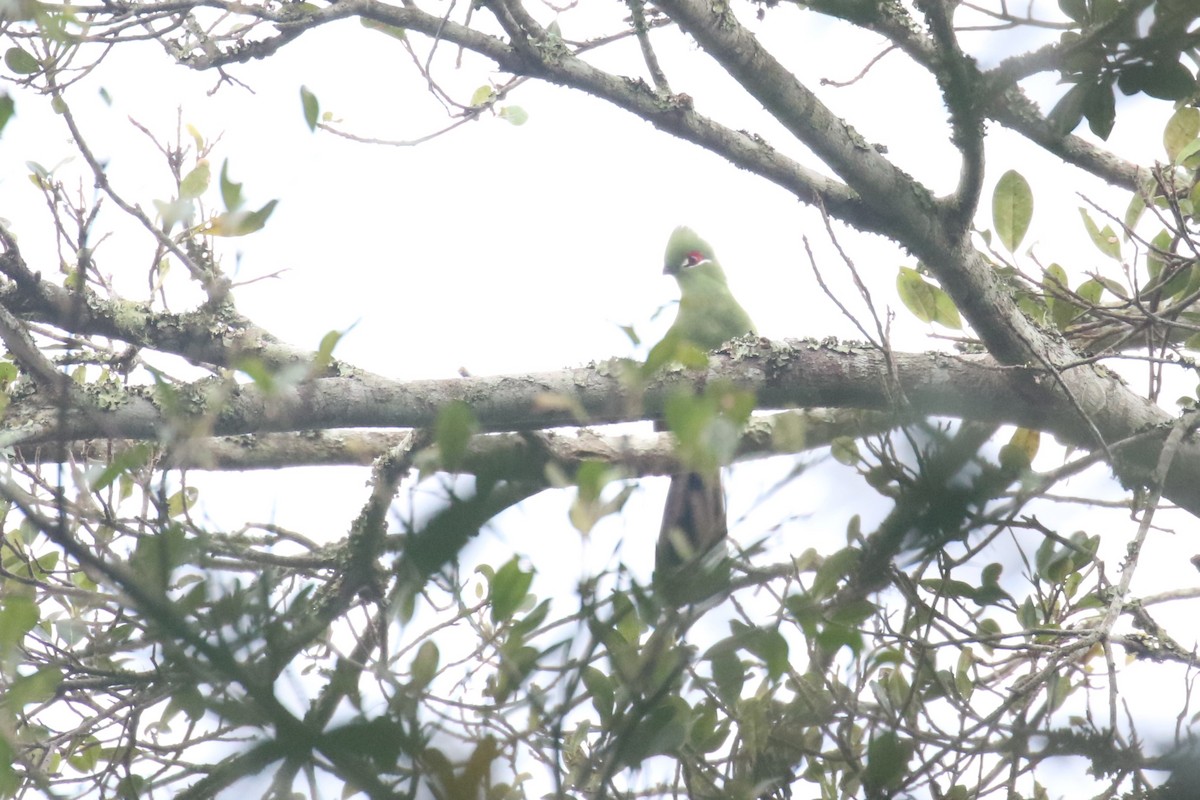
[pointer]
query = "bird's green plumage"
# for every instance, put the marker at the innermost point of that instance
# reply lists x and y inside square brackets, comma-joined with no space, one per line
[694,518]
[708,314]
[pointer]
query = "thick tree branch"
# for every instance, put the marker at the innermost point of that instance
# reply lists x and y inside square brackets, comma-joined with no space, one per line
[214,335]
[787,374]
[908,211]
[783,375]
[1002,99]
[899,202]
[1014,110]
[959,81]
[521,456]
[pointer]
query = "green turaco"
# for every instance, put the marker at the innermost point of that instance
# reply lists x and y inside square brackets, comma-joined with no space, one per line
[694,518]
[708,316]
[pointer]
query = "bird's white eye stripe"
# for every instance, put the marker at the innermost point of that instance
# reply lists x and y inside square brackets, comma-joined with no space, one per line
[693,258]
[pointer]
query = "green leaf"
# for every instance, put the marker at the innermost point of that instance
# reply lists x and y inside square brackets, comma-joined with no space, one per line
[128,461]
[832,570]
[948,587]
[182,501]
[514,114]
[312,108]
[962,673]
[379,740]
[197,138]
[1104,10]
[600,688]
[729,674]
[1062,310]
[588,508]
[477,770]
[195,183]
[86,757]
[707,427]
[853,613]
[988,630]
[456,424]
[1087,546]
[1181,130]
[131,787]
[240,223]
[509,587]
[1068,111]
[1115,288]
[706,732]
[45,565]
[21,62]
[770,646]
[1164,80]
[324,355]
[156,557]
[1054,280]
[674,349]
[231,192]
[1100,108]
[1012,209]
[1080,58]
[482,96]
[1090,290]
[35,688]
[625,620]
[174,212]
[844,450]
[424,665]
[188,698]
[1021,449]
[1130,79]
[1181,283]
[258,372]
[1106,240]
[1077,10]
[1185,158]
[663,730]
[394,31]
[7,109]
[887,762]
[516,663]
[1160,246]
[1059,688]
[18,616]
[591,478]
[1053,563]
[1134,212]
[926,301]
[789,432]
[916,294]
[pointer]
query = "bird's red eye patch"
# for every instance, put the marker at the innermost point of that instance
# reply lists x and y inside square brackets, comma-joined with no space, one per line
[693,258]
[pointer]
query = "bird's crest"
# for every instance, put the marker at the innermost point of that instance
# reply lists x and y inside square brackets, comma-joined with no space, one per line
[685,249]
